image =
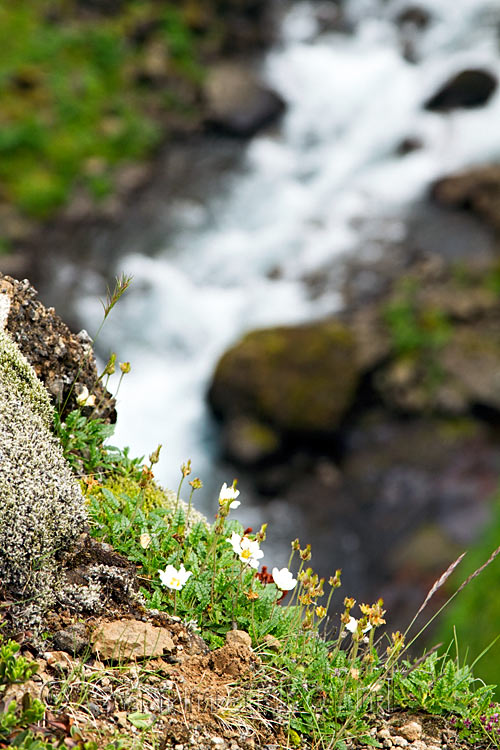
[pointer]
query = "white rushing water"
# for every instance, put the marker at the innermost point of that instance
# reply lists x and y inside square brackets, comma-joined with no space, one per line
[352,98]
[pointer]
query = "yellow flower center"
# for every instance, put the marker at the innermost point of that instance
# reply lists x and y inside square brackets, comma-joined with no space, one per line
[245,553]
[175,582]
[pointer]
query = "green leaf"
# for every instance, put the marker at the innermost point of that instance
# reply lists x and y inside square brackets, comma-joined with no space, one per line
[141,721]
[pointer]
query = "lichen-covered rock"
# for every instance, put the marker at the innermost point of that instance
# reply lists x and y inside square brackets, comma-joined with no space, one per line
[62,360]
[42,512]
[299,379]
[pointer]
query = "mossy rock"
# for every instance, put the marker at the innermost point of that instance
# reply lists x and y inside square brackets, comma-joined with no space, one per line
[299,379]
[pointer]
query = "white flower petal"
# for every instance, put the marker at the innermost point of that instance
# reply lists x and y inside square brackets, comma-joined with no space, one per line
[228,493]
[284,579]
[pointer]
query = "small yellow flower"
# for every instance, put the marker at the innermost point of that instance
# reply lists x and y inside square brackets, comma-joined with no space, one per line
[321,612]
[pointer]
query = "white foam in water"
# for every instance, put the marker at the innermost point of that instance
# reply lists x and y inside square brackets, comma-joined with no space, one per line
[351,100]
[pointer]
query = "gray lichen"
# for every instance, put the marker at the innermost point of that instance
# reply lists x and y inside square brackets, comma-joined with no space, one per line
[42,511]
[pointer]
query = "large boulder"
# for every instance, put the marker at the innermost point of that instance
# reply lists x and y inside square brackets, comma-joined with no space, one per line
[63,361]
[297,380]
[468,89]
[238,103]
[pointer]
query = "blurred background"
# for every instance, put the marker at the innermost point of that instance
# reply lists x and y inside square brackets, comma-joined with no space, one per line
[307,195]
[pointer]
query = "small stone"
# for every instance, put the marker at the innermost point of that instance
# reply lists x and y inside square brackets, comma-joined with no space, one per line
[384,734]
[387,742]
[179,747]
[411,731]
[217,741]
[418,745]
[399,741]
[272,643]
[121,719]
[238,638]
[59,660]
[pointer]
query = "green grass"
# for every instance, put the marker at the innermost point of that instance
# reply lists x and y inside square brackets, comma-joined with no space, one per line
[75,103]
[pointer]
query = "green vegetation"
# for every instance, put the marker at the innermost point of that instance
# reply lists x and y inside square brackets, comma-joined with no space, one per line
[475,614]
[340,666]
[83,93]
[415,330]
[327,678]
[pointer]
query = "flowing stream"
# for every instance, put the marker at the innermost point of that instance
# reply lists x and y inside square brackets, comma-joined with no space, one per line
[327,182]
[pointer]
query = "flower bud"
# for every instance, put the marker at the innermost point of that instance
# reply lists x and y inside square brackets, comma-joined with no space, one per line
[155,456]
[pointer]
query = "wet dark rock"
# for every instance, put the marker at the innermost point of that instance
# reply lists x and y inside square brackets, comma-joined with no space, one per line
[249,442]
[476,191]
[467,89]
[238,103]
[408,145]
[414,16]
[330,17]
[61,359]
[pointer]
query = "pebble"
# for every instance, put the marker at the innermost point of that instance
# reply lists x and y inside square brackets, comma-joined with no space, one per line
[384,734]
[411,731]
[399,741]
[179,747]
[217,741]
[418,745]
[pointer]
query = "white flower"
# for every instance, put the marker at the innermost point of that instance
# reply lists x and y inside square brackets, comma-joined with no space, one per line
[229,493]
[247,550]
[84,398]
[235,542]
[173,578]
[284,579]
[352,626]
